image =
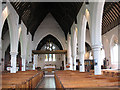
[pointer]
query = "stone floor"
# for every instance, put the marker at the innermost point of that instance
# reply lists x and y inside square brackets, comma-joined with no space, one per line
[48,82]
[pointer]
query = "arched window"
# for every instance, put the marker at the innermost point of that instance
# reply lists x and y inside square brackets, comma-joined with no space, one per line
[115,54]
[50,57]
[54,57]
[50,47]
[46,57]
[102,54]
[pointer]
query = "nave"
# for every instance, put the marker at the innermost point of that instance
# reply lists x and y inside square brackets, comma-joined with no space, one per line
[60,80]
[78,41]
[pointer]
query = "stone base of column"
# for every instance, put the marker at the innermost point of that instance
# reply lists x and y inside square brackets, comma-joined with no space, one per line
[33,67]
[82,68]
[74,63]
[23,64]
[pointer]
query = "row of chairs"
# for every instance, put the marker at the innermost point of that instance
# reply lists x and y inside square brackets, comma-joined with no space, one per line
[21,80]
[76,79]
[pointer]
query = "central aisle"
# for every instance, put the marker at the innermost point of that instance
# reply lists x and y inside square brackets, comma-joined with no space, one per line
[47,82]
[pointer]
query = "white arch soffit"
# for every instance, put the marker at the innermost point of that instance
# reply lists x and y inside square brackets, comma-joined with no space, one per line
[96,13]
[13,27]
[4,16]
[23,38]
[5,13]
[52,35]
[82,21]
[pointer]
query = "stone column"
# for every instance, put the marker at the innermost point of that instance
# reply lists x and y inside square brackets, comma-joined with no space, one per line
[69,59]
[0,57]
[97,59]
[118,47]
[0,44]
[81,41]
[34,61]
[81,60]
[0,34]
[74,48]
[23,62]
[64,57]
[13,62]
[96,13]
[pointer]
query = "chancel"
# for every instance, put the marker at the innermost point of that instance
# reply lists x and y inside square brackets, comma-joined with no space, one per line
[59,45]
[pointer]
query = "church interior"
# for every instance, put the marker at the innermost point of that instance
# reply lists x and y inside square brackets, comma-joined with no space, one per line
[60,45]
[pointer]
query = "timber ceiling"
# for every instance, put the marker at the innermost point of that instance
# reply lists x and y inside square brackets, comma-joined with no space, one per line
[111,16]
[33,13]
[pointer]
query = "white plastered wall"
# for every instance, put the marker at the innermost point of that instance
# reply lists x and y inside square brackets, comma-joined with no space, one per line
[107,41]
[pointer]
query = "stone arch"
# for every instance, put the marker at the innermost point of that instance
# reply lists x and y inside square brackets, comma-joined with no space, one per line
[12,19]
[95,21]
[5,38]
[54,37]
[23,42]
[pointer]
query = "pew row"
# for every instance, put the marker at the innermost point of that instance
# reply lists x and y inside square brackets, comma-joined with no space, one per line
[111,73]
[75,79]
[21,80]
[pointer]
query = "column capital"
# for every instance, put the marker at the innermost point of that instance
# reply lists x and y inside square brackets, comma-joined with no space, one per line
[13,53]
[74,55]
[96,47]
[81,52]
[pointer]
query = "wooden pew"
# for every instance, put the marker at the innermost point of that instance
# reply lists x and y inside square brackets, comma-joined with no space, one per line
[75,79]
[22,79]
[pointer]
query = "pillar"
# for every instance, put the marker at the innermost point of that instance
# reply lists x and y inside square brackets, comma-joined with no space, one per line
[69,59]
[81,41]
[0,57]
[119,46]
[64,57]
[74,46]
[97,59]
[34,61]
[96,13]
[23,62]
[13,62]
[0,45]
[81,60]
[0,33]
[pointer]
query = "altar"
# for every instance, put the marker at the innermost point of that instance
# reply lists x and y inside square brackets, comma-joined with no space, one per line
[49,68]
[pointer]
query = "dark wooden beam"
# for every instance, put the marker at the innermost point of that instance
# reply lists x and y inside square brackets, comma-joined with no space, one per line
[49,52]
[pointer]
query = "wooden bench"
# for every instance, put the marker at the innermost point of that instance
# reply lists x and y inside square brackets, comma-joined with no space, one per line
[22,79]
[75,79]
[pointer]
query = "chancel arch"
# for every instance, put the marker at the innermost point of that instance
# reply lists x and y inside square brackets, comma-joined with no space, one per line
[52,28]
[49,43]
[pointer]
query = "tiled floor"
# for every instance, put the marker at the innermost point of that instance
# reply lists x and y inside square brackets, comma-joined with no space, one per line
[47,82]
